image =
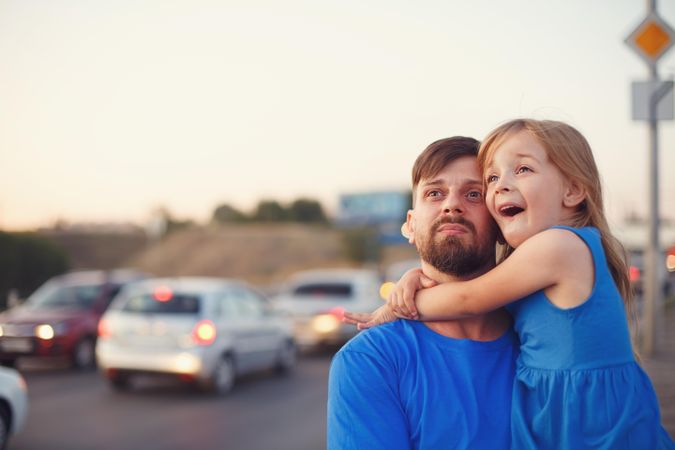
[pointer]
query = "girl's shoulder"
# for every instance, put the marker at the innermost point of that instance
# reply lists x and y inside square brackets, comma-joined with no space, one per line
[563,243]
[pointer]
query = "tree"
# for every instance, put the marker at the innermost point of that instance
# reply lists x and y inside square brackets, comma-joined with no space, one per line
[26,261]
[172,224]
[270,211]
[306,211]
[226,213]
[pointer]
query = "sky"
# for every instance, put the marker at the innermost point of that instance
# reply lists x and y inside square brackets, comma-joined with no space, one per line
[109,110]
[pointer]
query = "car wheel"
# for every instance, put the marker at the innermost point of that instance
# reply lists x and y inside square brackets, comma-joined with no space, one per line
[119,382]
[287,358]
[222,378]
[4,426]
[8,362]
[84,354]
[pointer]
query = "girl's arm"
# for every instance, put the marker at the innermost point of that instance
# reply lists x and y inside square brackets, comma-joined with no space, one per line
[540,262]
[381,315]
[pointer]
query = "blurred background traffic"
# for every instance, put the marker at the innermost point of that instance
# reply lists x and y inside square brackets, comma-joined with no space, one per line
[194,192]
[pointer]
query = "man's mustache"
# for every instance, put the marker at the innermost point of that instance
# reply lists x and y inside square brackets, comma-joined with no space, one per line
[455,220]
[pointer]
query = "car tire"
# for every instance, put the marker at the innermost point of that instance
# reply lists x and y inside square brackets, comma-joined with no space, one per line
[8,362]
[84,354]
[119,382]
[287,358]
[222,379]
[5,423]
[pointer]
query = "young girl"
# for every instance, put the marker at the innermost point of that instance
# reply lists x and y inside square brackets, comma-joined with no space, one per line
[577,384]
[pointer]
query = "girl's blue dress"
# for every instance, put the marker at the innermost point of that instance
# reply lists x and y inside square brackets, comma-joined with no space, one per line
[578,385]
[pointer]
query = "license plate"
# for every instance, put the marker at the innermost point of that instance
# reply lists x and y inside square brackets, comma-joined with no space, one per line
[16,345]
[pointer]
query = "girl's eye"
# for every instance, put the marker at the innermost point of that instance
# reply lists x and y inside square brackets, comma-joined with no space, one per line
[523,169]
[492,178]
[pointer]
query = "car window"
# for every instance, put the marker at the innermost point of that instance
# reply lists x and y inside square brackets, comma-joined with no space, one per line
[148,303]
[324,289]
[225,306]
[113,290]
[249,304]
[55,296]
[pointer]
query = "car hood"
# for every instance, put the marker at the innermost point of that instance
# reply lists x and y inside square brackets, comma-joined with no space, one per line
[26,315]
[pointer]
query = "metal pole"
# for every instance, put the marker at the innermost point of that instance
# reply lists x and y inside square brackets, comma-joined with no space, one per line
[652,252]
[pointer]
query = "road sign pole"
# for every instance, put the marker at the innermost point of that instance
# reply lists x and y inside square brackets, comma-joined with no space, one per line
[652,101]
[652,300]
[652,290]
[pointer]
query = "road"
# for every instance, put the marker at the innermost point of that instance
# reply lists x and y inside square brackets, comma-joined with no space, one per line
[71,410]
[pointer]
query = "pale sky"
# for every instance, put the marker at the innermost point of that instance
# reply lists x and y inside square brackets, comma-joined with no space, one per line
[109,109]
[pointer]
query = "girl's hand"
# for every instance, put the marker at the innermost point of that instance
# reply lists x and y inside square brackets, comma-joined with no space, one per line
[352,318]
[402,298]
[363,321]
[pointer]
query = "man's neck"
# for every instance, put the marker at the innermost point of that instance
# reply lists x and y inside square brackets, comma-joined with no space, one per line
[486,327]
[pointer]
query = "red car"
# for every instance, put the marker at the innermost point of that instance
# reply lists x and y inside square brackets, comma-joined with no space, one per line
[60,319]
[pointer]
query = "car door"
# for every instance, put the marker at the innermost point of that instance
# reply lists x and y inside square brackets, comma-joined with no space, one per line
[232,327]
[263,334]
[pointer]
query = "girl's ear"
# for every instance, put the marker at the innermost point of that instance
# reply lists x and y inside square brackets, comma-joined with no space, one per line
[408,228]
[574,195]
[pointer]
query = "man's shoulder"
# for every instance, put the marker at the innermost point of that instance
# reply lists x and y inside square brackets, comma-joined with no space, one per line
[381,340]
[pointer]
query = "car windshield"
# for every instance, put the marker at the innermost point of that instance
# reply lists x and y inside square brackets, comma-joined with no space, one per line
[52,296]
[323,290]
[149,303]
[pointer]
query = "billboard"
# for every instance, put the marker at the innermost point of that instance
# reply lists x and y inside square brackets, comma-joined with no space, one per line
[373,208]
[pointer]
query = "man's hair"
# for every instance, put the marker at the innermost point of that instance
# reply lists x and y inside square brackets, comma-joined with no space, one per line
[439,154]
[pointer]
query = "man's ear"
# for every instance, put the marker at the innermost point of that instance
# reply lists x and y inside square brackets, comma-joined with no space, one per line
[574,195]
[408,228]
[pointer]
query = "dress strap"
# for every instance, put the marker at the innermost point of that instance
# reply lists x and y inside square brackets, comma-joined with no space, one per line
[592,239]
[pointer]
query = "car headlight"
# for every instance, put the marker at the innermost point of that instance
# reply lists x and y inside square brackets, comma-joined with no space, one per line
[325,323]
[2,332]
[385,289]
[44,331]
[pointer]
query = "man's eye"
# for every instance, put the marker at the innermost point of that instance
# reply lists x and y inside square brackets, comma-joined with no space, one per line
[492,178]
[475,195]
[433,194]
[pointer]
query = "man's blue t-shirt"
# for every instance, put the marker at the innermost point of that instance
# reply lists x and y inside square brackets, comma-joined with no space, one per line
[403,386]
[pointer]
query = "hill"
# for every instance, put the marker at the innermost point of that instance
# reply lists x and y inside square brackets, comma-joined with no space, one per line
[262,254]
[257,253]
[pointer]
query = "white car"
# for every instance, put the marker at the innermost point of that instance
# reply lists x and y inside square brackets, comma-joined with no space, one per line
[13,404]
[317,299]
[204,330]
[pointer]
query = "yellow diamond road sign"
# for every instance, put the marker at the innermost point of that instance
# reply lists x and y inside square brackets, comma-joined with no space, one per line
[651,39]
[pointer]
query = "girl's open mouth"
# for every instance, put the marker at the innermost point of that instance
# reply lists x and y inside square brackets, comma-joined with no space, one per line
[510,210]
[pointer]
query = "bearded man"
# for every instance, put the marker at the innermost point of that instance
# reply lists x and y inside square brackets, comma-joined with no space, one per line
[432,385]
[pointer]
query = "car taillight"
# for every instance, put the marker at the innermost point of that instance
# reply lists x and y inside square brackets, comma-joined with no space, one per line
[338,312]
[204,332]
[634,274]
[162,294]
[103,329]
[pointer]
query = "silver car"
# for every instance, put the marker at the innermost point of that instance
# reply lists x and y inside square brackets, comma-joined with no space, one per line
[13,404]
[204,330]
[317,299]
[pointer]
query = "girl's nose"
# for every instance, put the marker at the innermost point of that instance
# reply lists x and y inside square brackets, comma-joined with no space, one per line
[502,185]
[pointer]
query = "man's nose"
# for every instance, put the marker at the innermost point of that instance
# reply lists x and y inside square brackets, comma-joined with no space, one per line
[453,204]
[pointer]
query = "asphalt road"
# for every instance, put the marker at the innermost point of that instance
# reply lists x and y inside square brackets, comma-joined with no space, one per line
[71,410]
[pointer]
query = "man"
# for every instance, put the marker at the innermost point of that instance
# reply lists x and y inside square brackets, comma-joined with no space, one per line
[432,385]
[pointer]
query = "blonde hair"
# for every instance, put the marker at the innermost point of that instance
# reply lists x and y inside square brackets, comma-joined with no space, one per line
[569,151]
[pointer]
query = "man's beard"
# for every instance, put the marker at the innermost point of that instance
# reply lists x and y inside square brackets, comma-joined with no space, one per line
[450,255]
